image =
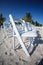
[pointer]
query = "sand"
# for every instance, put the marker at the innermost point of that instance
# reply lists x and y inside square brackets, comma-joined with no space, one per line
[18,57]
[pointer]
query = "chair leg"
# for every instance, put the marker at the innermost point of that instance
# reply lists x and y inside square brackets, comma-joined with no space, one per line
[31,41]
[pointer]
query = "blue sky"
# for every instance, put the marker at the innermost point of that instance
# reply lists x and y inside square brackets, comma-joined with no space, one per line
[18,8]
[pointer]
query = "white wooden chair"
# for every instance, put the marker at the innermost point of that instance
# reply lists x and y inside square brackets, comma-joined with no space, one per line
[29,28]
[18,35]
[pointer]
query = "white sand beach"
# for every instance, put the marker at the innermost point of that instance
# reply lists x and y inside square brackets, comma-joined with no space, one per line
[18,57]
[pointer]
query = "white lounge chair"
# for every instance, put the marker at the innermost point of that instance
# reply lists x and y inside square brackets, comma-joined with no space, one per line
[17,34]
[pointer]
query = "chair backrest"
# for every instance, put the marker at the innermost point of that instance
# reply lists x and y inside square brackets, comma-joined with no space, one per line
[27,26]
[24,24]
[18,35]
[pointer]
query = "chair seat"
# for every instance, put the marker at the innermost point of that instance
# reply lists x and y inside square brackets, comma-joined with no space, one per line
[29,34]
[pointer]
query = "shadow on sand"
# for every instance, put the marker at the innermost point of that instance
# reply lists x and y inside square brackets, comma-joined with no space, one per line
[41,62]
[1,61]
[37,41]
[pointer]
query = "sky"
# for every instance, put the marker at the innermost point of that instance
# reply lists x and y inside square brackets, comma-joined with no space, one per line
[18,8]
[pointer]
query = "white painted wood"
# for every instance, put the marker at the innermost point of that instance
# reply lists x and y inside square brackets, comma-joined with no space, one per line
[24,26]
[18,35]
[31,33]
